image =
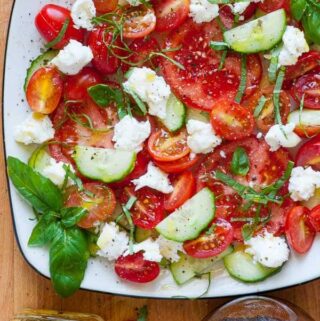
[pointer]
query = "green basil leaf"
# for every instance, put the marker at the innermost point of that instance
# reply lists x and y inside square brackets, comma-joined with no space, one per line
[143,314]
[311,24]
[243,80]
[103,95]
[240,162]
[36,189]
[68,260]
[70,216]
[60,35]
[298,8]
[219,45]
[247,231]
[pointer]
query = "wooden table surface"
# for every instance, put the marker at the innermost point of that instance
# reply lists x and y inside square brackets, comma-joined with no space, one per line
[21,287]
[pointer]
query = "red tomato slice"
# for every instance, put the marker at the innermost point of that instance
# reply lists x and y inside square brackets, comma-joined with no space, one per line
[309,153]
[300,233]
[314,218]
[44,90]
[76,86]
[179,165]
[273,5]
[105,6]
[230,120]
[184,188]
[213,244]
[308,86]
[170,13]
[139,22]
[100,206]
[135,268]
[200,84]
[147,212]
[103,60]
[49,22]
[166,147]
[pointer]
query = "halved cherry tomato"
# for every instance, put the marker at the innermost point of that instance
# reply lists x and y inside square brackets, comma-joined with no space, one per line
[201,82]
[49,22]
[309,153]
[170,13]
[314,218]
[76,86]
[99,40]
[105,6]
[179,165]
[209,245]
[273,5]
[44,90]
[230,120]
[139,22]
[147,212]
[100,206]
[166,147]
[135,268]
[308,86]
[184,188]
[300,233]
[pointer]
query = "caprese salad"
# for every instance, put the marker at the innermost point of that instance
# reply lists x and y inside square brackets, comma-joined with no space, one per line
[172,134]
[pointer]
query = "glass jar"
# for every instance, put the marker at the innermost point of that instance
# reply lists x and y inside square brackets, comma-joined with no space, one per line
[256,308]
[46,315]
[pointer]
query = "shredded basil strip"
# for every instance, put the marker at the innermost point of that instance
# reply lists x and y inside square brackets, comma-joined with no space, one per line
[219,45]
[223,59]
[261,103]
[126,210]
[273,68]
[137,100]
[300,115]
[243,80]
[276,94]
[60,35]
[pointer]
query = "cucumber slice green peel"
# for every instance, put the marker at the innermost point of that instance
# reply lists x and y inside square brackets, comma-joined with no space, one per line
[188,221]
[104,164]
[258,35]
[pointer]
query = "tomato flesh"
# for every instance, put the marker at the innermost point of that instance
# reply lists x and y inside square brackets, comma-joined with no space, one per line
[105,6]
[135,268]
[179,165]
[309,153]
[273,5]
[314,218]
[44,90]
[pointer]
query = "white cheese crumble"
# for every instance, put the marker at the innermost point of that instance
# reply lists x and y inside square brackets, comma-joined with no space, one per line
[241,7]
[303,183]
[150,88]
[169,249]
[282,135]
[129,134]
[203,11]
[201,137]
[269,250]
[154,178]
[294,45]
[72,58]
[150,249]
[112,242]
[82,12]
[35,129]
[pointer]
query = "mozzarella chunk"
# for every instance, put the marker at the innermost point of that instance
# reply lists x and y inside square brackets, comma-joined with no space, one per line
[35,129]
[169,249]
[129,134]
[154,178]
[303,183]
[201,138]
[150,88]
[72,58]
[241,7]
[150,249]
[269,250]
[112,242]
[203,11]
[82,13]
[294,45]
[282,135]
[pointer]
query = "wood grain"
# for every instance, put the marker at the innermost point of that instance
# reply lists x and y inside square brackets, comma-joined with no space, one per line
[21,287]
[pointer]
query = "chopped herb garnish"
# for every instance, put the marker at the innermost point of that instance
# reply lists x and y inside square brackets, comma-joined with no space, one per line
[276,94]
[261,103]
[223,59]
[219,45]
[243,79]
[60,35]
[126,210]
[240,162]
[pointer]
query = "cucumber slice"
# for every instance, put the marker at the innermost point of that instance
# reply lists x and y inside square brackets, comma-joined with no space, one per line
[258,35]
[141,235]
[176,114]
[103,164]
[188,267]
[40,61]
[39,159]
[187,222]
[196,114]
[241,266]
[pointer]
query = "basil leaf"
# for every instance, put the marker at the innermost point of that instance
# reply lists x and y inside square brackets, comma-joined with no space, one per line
[298,8]
[36,189]
[219,45]
[68,260]
[247,231]
[243,80]
[143,314]
[70,216]
[60,35]
[137,100]
[103,95]
[240,162]
[311,24]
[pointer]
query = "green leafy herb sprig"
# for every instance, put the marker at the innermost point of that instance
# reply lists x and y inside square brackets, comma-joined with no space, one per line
[56,227]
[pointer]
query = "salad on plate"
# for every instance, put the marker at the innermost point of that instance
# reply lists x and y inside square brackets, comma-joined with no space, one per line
[173,134]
